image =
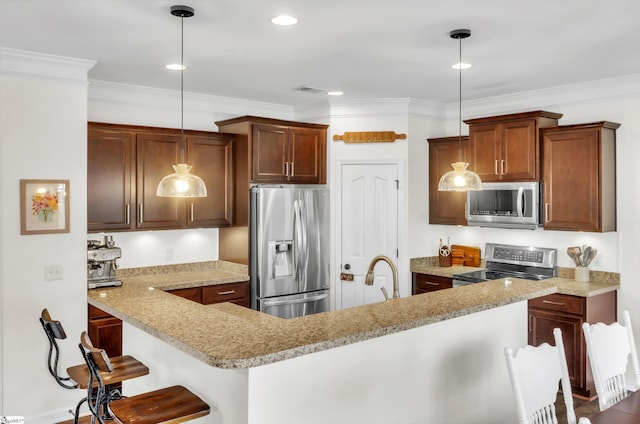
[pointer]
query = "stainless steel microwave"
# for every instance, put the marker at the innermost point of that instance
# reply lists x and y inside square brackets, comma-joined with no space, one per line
[505,205]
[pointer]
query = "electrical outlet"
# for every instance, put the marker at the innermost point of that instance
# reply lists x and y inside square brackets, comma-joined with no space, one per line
[52,272]
[169,254]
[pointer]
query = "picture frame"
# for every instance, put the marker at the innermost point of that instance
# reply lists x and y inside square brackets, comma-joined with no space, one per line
[44,206]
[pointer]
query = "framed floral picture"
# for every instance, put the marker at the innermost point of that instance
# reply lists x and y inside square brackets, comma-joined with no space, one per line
[44,206]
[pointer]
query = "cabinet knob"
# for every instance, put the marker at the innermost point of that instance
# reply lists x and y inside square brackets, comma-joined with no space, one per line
[347,266]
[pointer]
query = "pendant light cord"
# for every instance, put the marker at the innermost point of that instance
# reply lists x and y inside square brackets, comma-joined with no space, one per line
[182,89]
[460,103]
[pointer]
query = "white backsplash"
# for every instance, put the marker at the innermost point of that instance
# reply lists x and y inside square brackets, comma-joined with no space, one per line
[166,247]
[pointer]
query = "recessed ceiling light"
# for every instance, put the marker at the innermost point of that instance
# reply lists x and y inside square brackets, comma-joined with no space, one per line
[335,93]
[284,20]
[461,65]
[176,67]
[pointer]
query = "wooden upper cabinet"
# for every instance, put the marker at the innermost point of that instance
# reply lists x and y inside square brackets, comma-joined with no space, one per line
[126,163]
[580,177]
[110,154]
[281,151]
[307,150]
[212,160]
[288,154]
[446,207]
[507,147]
[156,153]
[270,153]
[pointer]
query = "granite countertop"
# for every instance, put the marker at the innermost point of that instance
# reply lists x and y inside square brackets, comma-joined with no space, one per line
[230,336]
[601,282]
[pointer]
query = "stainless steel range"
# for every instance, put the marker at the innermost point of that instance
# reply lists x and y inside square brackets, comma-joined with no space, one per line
[506,261]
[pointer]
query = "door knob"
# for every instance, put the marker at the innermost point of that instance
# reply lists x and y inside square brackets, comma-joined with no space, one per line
[347,266]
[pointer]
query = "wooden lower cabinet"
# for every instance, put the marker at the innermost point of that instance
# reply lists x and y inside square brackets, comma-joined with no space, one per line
[105,331]
[569,313]
[425,283]
[192,293]
[237,293]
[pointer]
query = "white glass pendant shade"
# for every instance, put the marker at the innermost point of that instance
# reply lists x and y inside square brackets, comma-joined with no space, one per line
[181,183]
[460,179]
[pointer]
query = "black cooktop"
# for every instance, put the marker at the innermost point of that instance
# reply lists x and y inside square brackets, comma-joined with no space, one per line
[486,275]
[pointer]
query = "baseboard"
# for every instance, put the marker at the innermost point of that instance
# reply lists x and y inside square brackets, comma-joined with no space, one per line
[54,416]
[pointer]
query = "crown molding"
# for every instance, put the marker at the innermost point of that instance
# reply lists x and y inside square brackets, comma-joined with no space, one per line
[345,108]
[221,107]
[47,66]
[549,98]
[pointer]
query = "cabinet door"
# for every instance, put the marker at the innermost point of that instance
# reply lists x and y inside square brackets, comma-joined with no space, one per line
[571,180]
[269,151]
[519,153]
[156,153]
[446,207]
[306,155]
[109,178]
[211,159]
[541,325]
[106,333]
[484,149]
[506,151]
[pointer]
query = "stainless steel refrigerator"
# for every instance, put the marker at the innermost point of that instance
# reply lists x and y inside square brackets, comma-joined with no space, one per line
[289,249]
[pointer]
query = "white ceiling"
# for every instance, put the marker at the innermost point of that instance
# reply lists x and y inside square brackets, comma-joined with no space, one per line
[366,48]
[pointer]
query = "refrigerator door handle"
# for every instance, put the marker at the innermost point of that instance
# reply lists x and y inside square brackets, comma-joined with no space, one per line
[305,242]
[298,240]
[296,301]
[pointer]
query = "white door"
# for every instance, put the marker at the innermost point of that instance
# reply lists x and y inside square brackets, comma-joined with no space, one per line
[368,228]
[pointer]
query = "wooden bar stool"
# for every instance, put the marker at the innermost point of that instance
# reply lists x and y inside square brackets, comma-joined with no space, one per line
[124,367]
[173,404]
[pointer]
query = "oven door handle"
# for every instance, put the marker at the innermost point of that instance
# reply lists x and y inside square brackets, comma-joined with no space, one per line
[294,301]
[520,203]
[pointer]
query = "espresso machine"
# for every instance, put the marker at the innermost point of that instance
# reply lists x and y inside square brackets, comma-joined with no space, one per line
[101,263]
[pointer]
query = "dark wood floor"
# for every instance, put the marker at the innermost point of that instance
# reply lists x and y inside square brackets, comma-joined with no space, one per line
[583,408]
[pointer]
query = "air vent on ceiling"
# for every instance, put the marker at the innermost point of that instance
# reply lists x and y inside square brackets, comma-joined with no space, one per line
[312,90]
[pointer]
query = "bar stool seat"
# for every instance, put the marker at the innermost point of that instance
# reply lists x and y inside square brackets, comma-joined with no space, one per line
[124,368]
[173,404]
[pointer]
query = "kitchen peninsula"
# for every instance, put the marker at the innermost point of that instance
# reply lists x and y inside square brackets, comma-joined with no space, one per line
[419,359]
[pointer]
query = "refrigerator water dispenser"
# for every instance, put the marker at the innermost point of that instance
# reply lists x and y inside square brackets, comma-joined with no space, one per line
[281,258]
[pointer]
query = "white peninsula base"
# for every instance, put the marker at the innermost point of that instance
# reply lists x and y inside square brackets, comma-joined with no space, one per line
[451,371]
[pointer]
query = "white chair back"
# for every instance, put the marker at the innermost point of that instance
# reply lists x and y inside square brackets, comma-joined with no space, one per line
[534,373]
[610,349]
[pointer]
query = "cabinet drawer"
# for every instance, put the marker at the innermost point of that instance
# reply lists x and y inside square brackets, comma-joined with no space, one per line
[225,292]
[193,293]
[560,302]
[426,283]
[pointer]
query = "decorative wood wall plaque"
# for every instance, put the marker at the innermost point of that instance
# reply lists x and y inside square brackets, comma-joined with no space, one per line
[369,137]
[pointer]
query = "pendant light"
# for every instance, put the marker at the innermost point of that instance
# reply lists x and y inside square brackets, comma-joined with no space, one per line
[460,179]
[182,183]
